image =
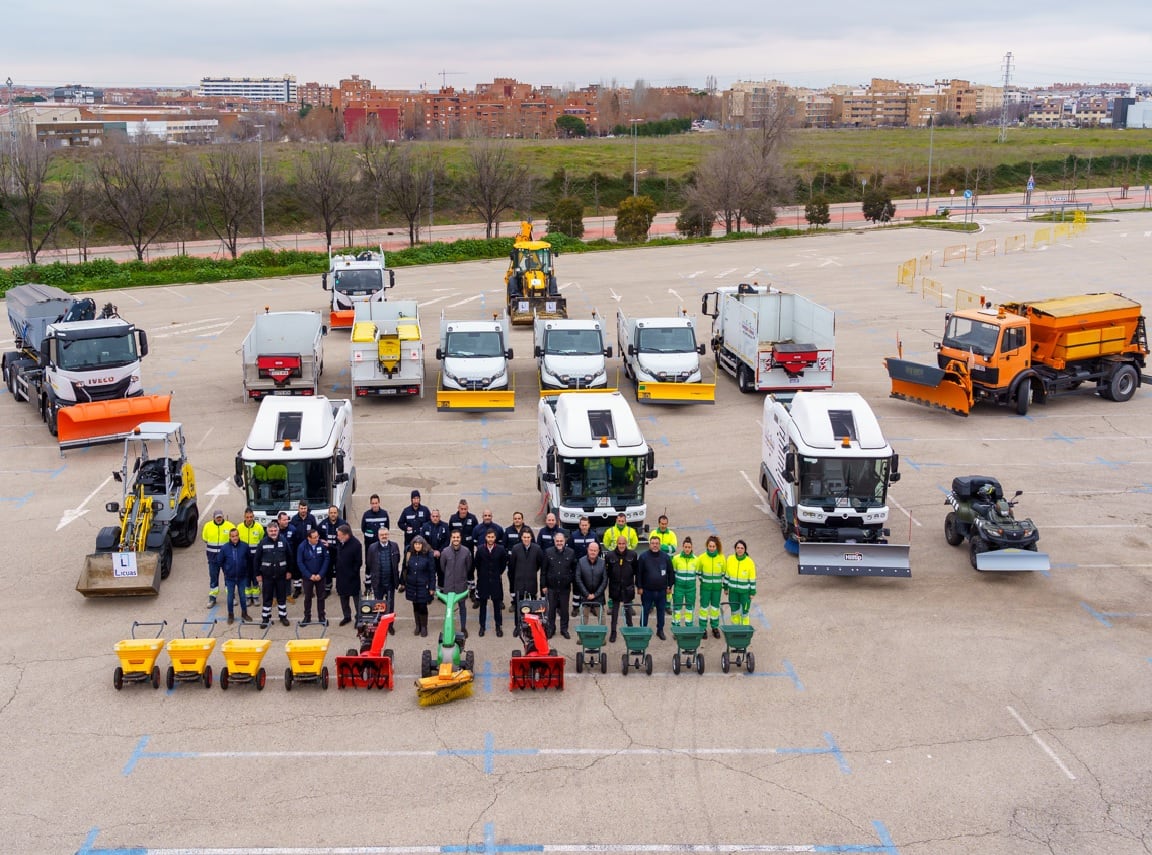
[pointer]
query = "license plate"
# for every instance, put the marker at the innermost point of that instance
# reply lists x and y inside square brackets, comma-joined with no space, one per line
[281,392]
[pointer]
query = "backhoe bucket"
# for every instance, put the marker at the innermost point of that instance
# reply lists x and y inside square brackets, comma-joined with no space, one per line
[109,421]
[344,319]
[535,672]
[675,393]
[928,386]
[113,574]
[1012,561]
[854,559]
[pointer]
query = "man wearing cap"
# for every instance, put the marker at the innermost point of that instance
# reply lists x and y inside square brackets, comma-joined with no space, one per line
[412,519]
[297,535]
[215,535]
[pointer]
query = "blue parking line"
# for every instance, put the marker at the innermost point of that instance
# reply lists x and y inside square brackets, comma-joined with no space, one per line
[832,748]
[788,672]
[490,752]
[1111,464]
[1056,436]
[138,754]
[760,618]
[487,675]
[18,501]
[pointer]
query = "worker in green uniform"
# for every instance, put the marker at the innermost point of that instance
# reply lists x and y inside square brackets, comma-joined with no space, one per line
[685,575]
[621,529]
[740,581]
[712,566]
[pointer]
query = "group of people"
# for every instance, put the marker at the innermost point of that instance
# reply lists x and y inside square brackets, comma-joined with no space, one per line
[570,570]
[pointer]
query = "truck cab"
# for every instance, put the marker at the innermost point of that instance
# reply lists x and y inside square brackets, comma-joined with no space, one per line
[995,345]
[571,353]
[662,356]
[474,366]
[360,278]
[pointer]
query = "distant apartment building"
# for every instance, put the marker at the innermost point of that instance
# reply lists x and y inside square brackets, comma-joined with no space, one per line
[281,90]
[76,94]
[748,104]
[316,94]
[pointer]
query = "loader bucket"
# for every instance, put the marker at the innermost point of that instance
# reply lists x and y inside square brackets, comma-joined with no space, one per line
[1013,561]
[103,575]
[109,421]
[854,559]
[534,672]
[928,386]
[339,320]
[675,393]
[453,400]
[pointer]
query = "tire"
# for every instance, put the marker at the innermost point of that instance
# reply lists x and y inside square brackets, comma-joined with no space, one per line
[170,678]
[324,678]
[223,679]
[579,663]
[603,663]
[624,664]
[261,679]
[1023,398]
[155,676]
[1031,547]
[750,662]
[207,678]
[166,558]
[1122,385]
[744,379]
[978,546]
[725,663]
[699,663]
[388,653]
[192,526]
[426,664]
[287,679]
[352,651]
[676,663]
[50,417]
[952,530]
[648,664]
[118,678]
[470,660]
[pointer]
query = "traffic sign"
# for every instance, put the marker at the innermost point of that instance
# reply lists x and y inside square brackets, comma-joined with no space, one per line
[967,194]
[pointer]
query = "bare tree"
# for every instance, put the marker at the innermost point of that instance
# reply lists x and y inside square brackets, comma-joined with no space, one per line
[403,176]
[136,197]
[325,187]
[225,190]
[721,180]
[83,216]
[36,205]
[492,182]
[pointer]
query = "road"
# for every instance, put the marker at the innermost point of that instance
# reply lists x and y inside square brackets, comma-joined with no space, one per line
[950,713]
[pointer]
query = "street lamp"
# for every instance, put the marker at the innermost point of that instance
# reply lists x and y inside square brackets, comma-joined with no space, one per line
[633,123]
[928,195]
[260,171]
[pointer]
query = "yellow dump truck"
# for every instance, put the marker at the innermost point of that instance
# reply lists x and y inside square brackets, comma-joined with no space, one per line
[1020,353]
[531,280]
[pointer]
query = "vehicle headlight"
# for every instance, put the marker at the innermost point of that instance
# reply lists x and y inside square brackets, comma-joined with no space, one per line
[662,376]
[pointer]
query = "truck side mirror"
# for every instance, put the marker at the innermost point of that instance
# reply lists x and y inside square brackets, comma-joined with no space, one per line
[439,354]
[340,464]
[142,343]
[608,352]
[391,279]
[537,351]
[631,350]
[112,507]
[894,475]
[1019,493]
[239,476]
[508,353]
[700,349]
[342,478]
[548,478]
[704,304]
[650,471]
[324,281]
[790,467]
[46,351]
[324,329]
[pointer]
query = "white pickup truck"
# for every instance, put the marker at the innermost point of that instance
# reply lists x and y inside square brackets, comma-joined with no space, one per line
[474,372]
[570,353]
[662,356]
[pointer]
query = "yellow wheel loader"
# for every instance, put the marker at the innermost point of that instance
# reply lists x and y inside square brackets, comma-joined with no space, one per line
[531,280]
[158,511]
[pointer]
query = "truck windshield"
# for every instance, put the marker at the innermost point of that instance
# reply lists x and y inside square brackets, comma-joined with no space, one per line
[89,354]
[666,340]
[275,485]
[474,345]
[968,334]
[844,482]
[606,481]
[573,342]
[357,282]
[534,259]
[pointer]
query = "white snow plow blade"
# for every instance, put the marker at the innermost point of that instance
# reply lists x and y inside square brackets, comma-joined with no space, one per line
[854,559]
[1013,560]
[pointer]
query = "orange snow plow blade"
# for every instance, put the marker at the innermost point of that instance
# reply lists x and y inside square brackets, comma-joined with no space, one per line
[342,319]
[945,388]
[109,421]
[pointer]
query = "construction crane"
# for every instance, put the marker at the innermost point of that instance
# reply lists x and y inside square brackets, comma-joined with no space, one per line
[444,76]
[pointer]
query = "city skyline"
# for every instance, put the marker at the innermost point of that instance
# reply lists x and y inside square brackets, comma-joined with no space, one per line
[113,45]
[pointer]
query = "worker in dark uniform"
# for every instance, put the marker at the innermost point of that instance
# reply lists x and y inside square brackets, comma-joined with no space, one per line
[548,531]
[274,576]
[383,568]
[412,519]
[512,532]
[465,522]
[620,564]
[328,528]
[437,536]
[371,521]
[556,580]
[298,528]
[581,538]
[525,563]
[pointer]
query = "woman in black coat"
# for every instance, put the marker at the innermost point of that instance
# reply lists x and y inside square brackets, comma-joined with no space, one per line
[420,582]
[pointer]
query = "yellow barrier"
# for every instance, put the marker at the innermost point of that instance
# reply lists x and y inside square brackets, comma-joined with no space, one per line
[1079,221]
[985,247]
[675,393]
[925,263]
[906,273]
[455,400]
[954,253]
[1062,231]
[967,300]
[1015,243]
[930,287]
[1042,237]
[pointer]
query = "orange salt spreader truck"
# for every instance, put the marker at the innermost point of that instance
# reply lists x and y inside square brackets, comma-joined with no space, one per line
[1021,353]
[79,368]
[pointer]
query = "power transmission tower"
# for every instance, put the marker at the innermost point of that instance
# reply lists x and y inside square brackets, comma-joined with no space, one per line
[1003,137]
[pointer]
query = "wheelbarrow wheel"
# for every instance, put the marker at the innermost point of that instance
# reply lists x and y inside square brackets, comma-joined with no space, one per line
[118,678]
[170,677]
[287,679]
[261,679]
[224,679]
[624,664]
[603,663]
[155,676]
[324,678]
[648,664]
[750,662]
[699,663]
[579,663]
[208,677]
[470,660]
[725,662]
[426,663]
[676,663]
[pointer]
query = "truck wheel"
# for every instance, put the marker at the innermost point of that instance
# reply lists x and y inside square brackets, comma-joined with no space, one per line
[49,412]
[166,558]
[10,378]
[952,530]
[744,379]
[979,545]
[1122,385]
[1023,398]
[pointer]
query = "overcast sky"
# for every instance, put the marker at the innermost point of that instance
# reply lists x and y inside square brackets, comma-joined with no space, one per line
[405,45]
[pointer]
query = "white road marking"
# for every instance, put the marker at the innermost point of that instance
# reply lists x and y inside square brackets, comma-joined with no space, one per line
[193,323]
[216,492]
[204,438]
[217,332]
[830,262]
[465,301]
[1147,234]
[215,287]
[724,273]
[73,514]
[436,299]
[763,506]
[133,299]
[615,296]
[905,511]
[674,294]
[1036,738]
[753,272]
[695,274]
[795,264]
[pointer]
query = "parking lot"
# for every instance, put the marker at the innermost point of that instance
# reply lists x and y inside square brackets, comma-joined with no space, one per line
[953,712]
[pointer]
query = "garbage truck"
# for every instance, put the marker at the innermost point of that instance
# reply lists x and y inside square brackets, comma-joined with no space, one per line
[771,340]
[363,277]
[387,352]
[593,459]
[570,354]
[1022,353]
[475,375]
[298,448]
[79,368]
[662,357]
[157,511]
[283,354]
[530,281]
[826,467]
